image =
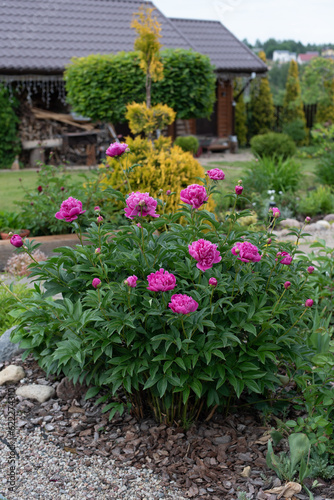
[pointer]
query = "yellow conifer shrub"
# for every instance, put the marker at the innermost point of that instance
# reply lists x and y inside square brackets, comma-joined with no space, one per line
[162,167]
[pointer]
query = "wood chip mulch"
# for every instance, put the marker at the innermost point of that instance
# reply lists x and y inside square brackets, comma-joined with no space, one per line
[213,460]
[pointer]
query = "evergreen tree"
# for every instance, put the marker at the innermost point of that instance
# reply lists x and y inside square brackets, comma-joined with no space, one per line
[240,114]
[325,109]
[261,106]
[293,108]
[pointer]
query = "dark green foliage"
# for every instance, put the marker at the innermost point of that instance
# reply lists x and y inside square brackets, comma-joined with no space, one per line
[273,144]
[296,130]
[100,86]
[273,173]
[318,201]
[261,111]
[325,168]
[187,143]
[9,141]
[8,303]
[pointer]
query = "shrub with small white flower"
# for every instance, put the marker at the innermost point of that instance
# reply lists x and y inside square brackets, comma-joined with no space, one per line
[182,317]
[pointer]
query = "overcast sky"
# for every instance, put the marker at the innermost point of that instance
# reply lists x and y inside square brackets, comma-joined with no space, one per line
[301,20]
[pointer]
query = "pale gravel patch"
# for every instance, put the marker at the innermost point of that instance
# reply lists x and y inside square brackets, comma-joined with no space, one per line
[40,460]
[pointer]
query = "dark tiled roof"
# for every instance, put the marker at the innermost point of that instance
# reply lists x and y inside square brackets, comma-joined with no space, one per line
[41,36]
[226,52]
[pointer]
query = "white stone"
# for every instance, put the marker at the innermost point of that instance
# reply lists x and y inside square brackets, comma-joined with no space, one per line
[11,374]
[40,393]
[323,224]
[329,218]
[290,223]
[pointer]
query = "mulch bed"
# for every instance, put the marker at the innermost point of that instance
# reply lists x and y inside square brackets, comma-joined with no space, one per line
[207,462]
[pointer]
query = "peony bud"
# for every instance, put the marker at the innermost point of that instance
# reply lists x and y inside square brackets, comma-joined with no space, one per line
[16,241]
[238,190]
[213,282]
[168,192]
[97,209]
[309,303]
[99,219]
[287,285]
[308,220]
[268,241]
[62,188]
[310,269]
[96,282]
[98,250]
[39,189]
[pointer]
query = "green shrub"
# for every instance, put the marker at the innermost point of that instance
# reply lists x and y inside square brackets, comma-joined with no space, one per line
[9,141]
[176,366]
[318,201]
[325,168]
[53,186]
[187,143]
[296,130]
[100,86]
[9,220]
[273,173]
[8,303]
[273,144]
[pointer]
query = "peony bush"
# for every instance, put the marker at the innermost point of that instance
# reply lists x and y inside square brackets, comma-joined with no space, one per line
[171,319]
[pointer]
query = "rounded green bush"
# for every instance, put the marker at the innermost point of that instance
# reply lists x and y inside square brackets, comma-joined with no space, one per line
[187,143]
[273,144]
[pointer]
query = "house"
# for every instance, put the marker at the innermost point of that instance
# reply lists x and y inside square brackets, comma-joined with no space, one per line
[327,53]
[38,38]
[284,56]
[307,57]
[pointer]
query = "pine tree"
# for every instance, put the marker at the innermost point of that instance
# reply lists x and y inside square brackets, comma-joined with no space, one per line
[261,107]
[293,108]
[240,114]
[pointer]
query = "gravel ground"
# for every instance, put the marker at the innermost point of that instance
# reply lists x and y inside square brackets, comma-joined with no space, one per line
[45,471]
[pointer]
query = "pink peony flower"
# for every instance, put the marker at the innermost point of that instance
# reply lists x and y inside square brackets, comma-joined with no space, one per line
[213,282]
[16,241]
[140,205]
[70,209]
[287,258]
[96,282]
[182,304]
[116,149]
[161,281]
[247,252]
[309,303]
[276,212]
[131,281]
[194,195]
[310,269]
[238,190]
[205,253]
[216,174]
[39,189]
[287,285]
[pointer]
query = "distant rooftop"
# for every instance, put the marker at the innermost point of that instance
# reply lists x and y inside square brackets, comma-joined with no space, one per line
[41,36]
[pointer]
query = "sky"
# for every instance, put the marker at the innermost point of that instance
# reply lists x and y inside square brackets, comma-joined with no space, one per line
[308,21]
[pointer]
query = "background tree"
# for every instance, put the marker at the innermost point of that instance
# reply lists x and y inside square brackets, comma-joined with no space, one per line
[293,108]
[318,87]
[240,114]
[148,45]
[261,117]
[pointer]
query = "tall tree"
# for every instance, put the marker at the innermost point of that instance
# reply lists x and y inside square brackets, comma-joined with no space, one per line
[318,87]
[293,108]
[261,106]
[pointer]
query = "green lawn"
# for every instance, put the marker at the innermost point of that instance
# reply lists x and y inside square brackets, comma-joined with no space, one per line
[11,189]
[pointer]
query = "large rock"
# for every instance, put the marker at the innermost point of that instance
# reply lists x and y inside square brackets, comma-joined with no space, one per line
[329,218]
[66,390]
[40,393]
[11,374]
[7,348]
[323,224]
[290,223]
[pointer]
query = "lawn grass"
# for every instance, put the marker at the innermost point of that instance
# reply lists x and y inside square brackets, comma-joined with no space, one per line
[11,189]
